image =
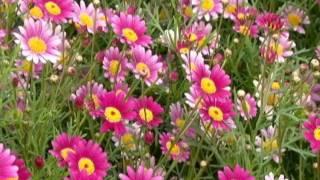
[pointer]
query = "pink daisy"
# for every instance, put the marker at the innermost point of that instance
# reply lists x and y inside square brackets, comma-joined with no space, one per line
[247,107]
[312,132]
[178,120]
[7,167]
[212,83]
[231,8]
[209,9]
[23,172]
[89,161]
[87,97]
[38,41]
[62,146]
[238,173]
[142,173]
[218,112]
[121,87]
[295,18]
[270,22]
[251,30]
[276,48]
[186,8]
[57,11]
[89,17]
[115,109]
[148,112]
[197,31]
[194,98]
[115,65]
[191,62]
[130,29]
[177,150]
[25,67]
[145,65]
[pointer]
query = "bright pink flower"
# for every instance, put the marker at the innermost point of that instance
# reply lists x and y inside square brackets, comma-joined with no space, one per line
[247,107]
[145,65]
[238,173]
[115,109]
[23,172]
[62,146]
[212,83]
[218,112]
[177,150]
[209,9]
[88,162]
[270,22]
[87,97]
[197,31]
[191,62]
[57,11]
[148,112]
[130,29]
[38,41]
[194,97]
[115,65]
[7,167]
[142,173]
[312,132]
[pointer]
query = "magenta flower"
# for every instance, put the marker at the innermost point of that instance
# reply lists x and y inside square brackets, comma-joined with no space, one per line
[142,173]
[115,110]
[88,162]
[115,65]
[57,11]
[312,132]
[7,167]
[38,41]
[62,146]
[145,65]
[238,173]
[270,22]
[148,112]
[23,172]
[130,29]
[209,9]
[178,120]
[177,150]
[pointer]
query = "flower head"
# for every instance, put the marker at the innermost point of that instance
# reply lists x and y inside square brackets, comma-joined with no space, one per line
[177,150]
[148,112]
[247,107]
[115,65]
[23,172]
[209,9]
[38,41]
[191,62]
[140,173]
[238,173]
[56,10]
[270,22]
[130,29]
[8,169]
[312,132]
[295,18]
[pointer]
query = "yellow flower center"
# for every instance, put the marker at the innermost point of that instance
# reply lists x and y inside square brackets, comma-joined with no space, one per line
[241,16]
[208,86]
[192,37]
[114,67]
[187,11]
[244,30]
[231,8]
[26,66]
[275,86]
[143,69]
[294,19]
[87,165]
[129,34]
[180,123]
[65,153]
[184,50]
[202,42]
[145,114]
[95,100]
[215,113]
[86,20]
[36,12]
[53,8]
[316,133]
[112,114]
[37,45]
[128,140]
[207,5]
[270,145]
[277,47]
[174,149]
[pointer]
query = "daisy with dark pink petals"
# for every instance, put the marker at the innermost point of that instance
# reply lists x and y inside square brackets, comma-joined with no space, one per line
[115,109]
[115,65]
[218,112]
[141,173]
[57,11]
[131,29]
[212,83]
[7,168]
[88,162]
[175,149]
[145,65]
[148,112]
[238,173]
[62,146]
[270,22]
[312,132]
[23,172]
